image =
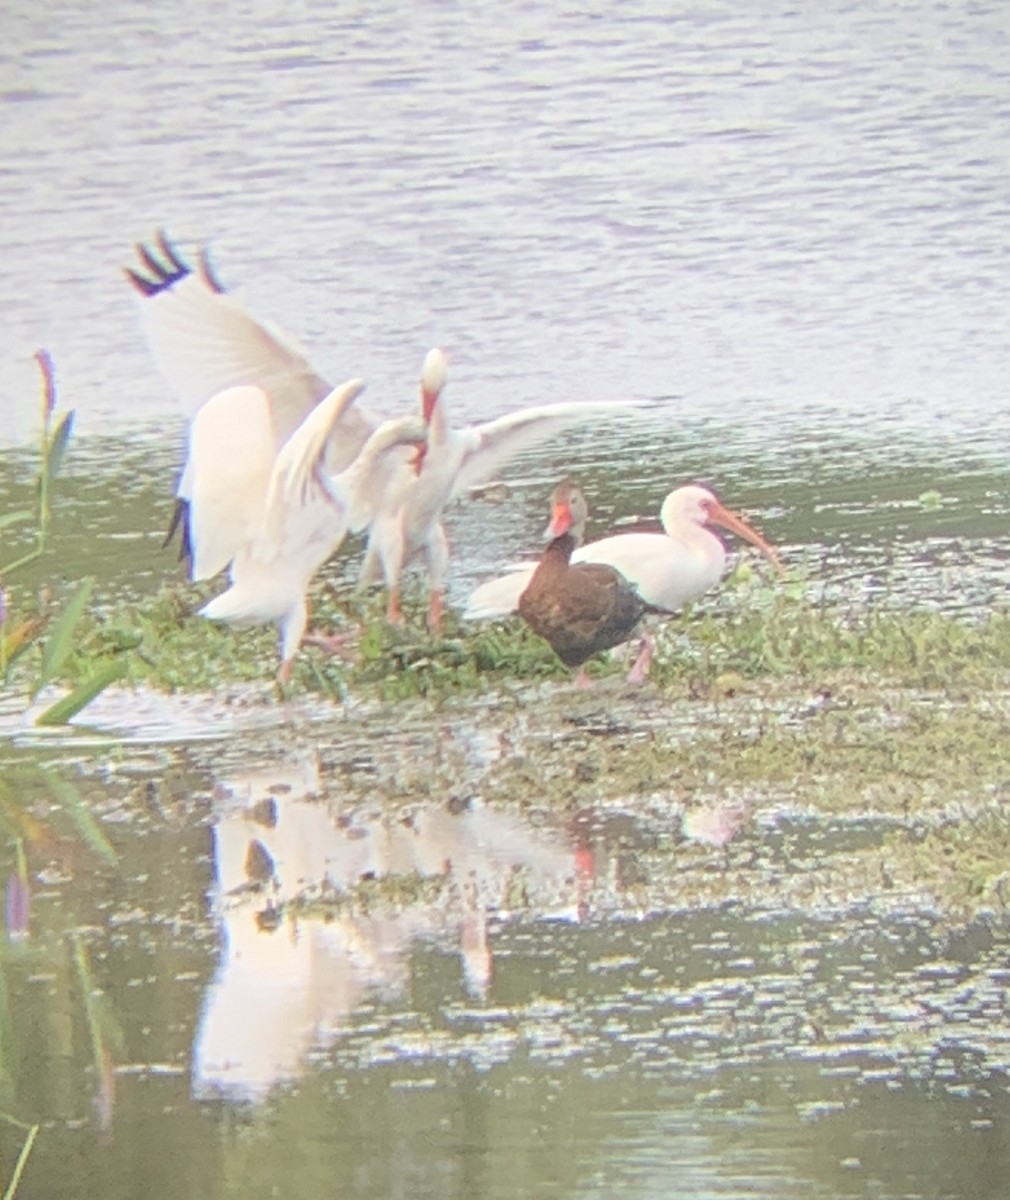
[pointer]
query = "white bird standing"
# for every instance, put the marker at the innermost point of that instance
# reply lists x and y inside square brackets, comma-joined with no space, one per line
[278,533]
[410,521]
[668,570]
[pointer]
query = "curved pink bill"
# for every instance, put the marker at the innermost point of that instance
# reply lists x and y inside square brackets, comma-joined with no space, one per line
[428,401]
[718,514]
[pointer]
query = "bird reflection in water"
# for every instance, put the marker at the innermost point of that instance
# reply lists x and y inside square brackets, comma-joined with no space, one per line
[289,980]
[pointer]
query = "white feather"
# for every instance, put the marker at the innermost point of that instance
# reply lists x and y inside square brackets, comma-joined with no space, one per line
[668,570]
[304,515]
[410,519]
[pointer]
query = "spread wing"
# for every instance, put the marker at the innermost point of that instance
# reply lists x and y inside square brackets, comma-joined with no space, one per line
[204,340]
[298,480]
[493,443]
[380,467]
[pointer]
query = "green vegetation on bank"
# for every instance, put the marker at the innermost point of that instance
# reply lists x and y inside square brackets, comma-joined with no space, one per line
[759,632]
[30,625]
[842,789]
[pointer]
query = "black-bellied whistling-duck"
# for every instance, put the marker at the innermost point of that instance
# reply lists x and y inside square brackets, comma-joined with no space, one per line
[581,608]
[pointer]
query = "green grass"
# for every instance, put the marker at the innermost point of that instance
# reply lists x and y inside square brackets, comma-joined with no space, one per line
[757,633]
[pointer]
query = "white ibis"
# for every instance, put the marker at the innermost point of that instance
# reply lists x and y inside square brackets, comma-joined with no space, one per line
[455,459]
[205,342]
[277,519]
[578,608]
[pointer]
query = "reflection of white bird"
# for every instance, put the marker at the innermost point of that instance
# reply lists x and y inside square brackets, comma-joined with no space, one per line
[668,570]
[289,978]
[277,519]
[454,460]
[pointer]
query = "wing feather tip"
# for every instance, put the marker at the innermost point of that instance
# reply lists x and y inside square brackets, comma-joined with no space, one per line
[208,274]
[158,274]
[146,287]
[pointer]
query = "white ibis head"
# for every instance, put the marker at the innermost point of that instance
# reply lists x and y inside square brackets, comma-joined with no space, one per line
[433,376]
[694,505]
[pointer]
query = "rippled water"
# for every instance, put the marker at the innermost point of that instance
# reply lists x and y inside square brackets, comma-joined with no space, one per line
[593,1001]
[791,219]
[788,231]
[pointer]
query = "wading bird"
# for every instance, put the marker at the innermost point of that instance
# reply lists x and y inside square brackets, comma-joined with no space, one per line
[205,341]
[277,518]
[455,459]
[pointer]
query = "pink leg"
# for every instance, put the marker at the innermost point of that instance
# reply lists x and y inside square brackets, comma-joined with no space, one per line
[640,669]
[582,680]
[435,611]
[284,671]
[331,643]
[393,613]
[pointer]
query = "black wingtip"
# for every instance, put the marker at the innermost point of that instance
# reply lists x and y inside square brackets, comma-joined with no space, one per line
[171,254]
[157,268]
[207,272]
[146,287]
[180,522]
[159,274]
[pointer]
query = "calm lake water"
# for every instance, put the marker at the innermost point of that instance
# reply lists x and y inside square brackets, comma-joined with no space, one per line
[785,230]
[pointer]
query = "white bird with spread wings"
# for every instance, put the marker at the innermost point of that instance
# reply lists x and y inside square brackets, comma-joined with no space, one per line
[249,389]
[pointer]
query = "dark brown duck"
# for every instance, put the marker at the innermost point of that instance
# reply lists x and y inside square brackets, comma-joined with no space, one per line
[583,608]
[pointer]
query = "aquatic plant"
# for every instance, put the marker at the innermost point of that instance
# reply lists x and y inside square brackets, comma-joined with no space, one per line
[104,1032]
[38,809]
[21,630]
[31,1132]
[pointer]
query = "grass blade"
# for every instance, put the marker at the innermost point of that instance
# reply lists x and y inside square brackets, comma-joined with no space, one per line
[15,518]
[22,1161]
[58,443]
[72,803]
[106,1034]
[82,695]
[61,638]
[8,1049]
